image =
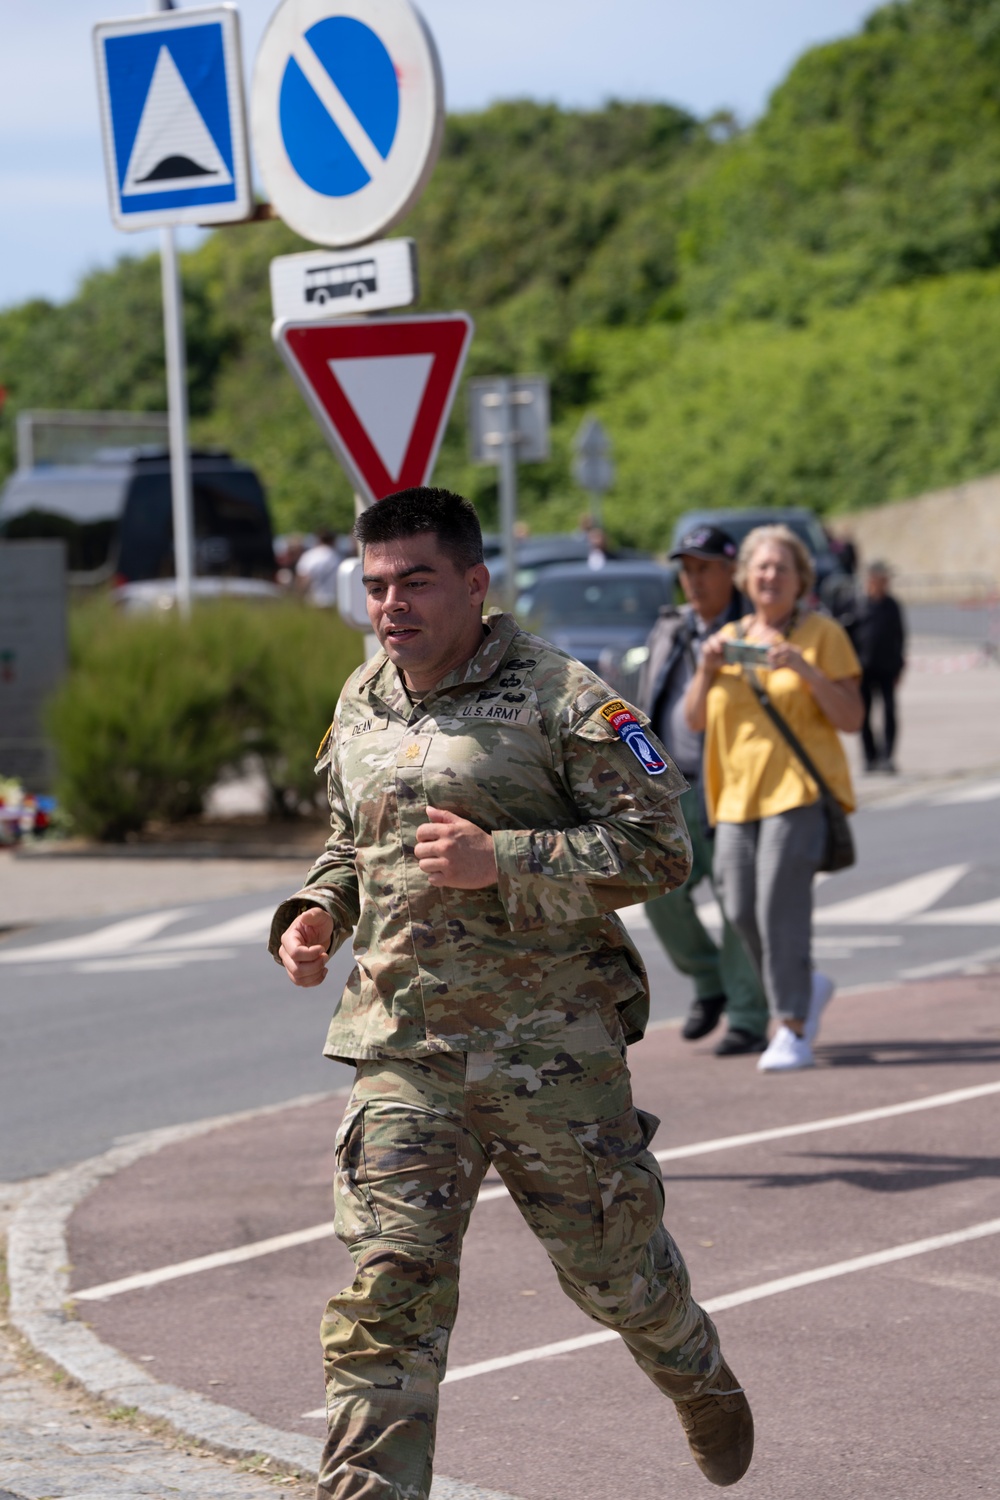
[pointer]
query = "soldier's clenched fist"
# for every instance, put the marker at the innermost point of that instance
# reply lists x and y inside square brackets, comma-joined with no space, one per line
[452,851]
[305,947]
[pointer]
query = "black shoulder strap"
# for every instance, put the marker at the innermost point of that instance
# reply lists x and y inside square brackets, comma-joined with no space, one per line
[785,730]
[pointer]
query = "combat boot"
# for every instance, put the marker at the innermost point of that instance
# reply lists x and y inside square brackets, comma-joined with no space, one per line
[719,1428]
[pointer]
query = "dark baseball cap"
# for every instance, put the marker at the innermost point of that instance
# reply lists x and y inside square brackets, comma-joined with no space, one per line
[705,541]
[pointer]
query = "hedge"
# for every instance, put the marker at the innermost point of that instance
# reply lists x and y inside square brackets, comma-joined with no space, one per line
[155,709]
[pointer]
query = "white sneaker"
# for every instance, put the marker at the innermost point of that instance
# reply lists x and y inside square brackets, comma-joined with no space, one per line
[822,992]
[785,1053]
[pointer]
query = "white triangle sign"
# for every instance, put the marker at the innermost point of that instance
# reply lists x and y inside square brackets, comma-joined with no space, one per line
[386,391]
[173,146]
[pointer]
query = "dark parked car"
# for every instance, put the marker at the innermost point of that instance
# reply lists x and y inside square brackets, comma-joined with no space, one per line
[535,553]
[585,611]
[116,519]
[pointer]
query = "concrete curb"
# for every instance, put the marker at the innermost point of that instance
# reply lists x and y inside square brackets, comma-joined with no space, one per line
[41,1308]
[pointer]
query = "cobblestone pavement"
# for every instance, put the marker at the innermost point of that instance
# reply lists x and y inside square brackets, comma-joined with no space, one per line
[54,1442]
[58,1444]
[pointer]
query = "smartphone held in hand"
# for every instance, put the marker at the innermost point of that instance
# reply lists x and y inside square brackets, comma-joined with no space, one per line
[745,653]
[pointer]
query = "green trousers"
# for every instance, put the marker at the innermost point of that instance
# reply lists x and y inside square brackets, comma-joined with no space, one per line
[555,1118]
[725,971]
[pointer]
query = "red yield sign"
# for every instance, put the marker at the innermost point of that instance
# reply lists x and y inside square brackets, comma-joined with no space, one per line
[381,390]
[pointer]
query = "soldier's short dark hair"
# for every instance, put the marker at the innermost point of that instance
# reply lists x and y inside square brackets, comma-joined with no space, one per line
[451,518]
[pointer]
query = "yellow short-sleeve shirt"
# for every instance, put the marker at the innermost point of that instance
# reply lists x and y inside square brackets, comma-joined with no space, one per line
[750,769]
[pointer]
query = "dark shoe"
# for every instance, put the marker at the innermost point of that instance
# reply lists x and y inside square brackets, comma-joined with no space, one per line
[737,1043]
[703,1017]
[719,1428]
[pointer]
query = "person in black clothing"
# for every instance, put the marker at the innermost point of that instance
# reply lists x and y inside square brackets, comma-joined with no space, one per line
[878,631]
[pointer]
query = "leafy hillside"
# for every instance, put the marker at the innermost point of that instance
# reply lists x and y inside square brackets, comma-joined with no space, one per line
[806,311]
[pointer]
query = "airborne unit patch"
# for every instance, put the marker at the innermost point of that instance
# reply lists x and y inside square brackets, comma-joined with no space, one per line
[627,727]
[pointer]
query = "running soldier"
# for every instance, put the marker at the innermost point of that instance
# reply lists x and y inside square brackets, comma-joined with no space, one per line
[492,804]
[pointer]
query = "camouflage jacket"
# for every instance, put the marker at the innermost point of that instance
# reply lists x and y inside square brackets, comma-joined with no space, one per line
[514,741]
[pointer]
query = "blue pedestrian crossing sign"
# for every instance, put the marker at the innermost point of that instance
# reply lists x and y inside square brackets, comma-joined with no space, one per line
[347,115]
[173,120]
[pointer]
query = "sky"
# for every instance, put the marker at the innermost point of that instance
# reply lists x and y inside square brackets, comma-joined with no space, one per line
[701,54]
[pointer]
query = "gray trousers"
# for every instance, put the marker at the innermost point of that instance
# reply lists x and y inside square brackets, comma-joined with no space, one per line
[717,969]
[764,871]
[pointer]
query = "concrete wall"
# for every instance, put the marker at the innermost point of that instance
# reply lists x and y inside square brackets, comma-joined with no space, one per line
[949,533]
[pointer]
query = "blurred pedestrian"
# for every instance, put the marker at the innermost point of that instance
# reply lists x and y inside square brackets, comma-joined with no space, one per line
[724,977]
[768,811]
[878,631]
[316,570]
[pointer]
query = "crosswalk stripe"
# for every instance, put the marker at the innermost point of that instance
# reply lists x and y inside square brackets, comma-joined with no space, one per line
[893,903]
[118,937]
[983,914]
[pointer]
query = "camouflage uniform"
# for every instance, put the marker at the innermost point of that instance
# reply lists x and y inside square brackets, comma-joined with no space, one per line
[489,1026]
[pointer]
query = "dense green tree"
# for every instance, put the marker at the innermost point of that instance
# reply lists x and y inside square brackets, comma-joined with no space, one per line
[803,310]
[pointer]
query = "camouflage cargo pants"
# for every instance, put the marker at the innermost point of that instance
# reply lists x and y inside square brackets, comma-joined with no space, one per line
[556,1119]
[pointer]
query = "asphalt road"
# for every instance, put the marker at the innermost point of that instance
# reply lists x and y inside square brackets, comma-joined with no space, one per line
[118,1026]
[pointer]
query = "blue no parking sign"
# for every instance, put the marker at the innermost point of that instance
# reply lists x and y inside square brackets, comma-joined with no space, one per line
[171,93]
[347,115]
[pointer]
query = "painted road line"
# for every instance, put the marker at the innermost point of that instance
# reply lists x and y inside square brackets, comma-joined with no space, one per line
[833,1122]
[205,1263]
[892,903]
[118,937]
[140,961]
[952,965]
[983,914]
[723,1304]
[220,1258]
[983,791]
[288,1241]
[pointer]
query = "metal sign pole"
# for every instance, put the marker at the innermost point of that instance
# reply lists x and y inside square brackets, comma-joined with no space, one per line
[177,403]
[371,640]
[508,490]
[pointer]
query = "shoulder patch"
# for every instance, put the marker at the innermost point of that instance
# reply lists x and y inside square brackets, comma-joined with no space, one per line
[627,727]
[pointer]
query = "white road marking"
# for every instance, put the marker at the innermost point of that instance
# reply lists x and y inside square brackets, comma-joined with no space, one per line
[675,1153]
[834,1122]
[732,1299]
[893,903]
[907,901]
[144,961]
[855,940]
[205,1263]
[251,927]
[983,791]
[116,938]
[135,944]
[967,963]
[982,914]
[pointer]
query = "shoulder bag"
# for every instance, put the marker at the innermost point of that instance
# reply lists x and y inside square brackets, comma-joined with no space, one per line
[839,853]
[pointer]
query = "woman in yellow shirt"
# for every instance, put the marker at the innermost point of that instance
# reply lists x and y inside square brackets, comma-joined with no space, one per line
[766,808]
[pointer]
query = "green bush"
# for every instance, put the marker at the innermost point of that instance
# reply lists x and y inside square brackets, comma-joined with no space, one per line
[155,710]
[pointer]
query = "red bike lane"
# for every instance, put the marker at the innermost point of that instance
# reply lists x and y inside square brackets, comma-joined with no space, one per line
[866,1380]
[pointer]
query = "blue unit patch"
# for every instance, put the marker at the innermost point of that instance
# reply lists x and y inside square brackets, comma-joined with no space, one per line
[627,727]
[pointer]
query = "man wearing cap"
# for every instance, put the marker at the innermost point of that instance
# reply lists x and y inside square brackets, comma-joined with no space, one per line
[724,977]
